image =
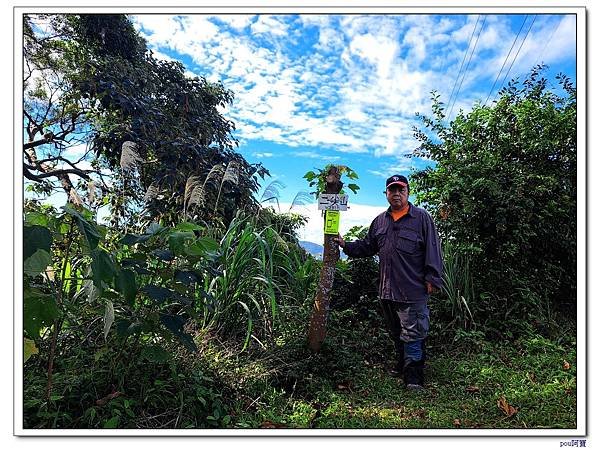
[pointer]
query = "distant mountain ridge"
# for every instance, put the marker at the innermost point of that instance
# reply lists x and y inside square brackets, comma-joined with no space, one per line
[317,250]
[312,248]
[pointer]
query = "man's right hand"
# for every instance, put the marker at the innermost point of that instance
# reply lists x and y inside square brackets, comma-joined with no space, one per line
[339,240]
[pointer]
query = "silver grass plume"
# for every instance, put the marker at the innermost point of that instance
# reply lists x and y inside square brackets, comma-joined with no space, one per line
[74,197]
[130,158]
[152,192]
[213,172]
[271,192]
[301,198]
[193,194]
[230,174]
[91,191]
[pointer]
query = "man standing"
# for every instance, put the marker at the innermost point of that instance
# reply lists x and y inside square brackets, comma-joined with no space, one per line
[410,269]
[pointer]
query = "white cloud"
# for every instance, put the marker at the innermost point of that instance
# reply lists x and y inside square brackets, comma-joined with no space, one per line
[237,21]
[158,29]
[359,86]
[200,28]
[268,24]
[377,50]
[315,155]
[356,215]
[329,39]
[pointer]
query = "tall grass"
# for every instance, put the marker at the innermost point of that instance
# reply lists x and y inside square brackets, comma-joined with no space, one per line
[458,288]
[252,272]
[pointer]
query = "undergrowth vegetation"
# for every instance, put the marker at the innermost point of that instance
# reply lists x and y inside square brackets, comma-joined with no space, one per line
[214,336]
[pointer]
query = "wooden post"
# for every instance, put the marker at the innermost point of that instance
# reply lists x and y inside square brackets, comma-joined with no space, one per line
[331,253]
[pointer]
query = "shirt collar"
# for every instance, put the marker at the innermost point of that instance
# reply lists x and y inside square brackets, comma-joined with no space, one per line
[408,213]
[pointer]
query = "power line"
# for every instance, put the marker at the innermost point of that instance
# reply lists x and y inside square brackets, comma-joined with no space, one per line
[467,68]
[463,61]
[506,59]
[548,41]
[516,55]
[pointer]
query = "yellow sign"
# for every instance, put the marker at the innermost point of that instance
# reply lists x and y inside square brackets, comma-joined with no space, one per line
[332,222]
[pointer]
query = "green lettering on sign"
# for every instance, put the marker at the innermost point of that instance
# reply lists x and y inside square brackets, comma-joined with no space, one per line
[332,222]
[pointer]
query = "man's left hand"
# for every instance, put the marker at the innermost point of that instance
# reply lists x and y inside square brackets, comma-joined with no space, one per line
[431,289]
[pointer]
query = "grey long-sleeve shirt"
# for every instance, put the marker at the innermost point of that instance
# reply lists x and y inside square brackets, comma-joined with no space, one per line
[409,254]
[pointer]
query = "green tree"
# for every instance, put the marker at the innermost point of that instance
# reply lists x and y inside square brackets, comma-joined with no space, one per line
[503,190]
[89,79]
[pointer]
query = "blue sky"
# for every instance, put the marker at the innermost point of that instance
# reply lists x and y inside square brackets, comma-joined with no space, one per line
[317,89]
[314,89]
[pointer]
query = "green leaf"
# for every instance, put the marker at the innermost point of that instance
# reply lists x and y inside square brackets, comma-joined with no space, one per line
[159,293]
[37,218]
[208,243]
[194,249]
[37,263]
[88,229]
[177,241]
[131,239]
[109,317]
[175,325]
[113,422]
[353,187]
[29,349]
[188,226]
[39,311]
[125,284]
[155,353]
[36,238]
[103,267]
[154,228]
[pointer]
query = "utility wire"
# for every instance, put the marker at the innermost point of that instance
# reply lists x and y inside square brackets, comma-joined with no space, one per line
[467,68]
[516,55]
[506,59]
[463,61]
[541,60]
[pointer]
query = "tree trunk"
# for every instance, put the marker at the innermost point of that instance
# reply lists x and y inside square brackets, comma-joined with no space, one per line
[331,253]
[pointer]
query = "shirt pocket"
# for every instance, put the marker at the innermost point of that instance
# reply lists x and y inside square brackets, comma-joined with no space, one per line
[407,241]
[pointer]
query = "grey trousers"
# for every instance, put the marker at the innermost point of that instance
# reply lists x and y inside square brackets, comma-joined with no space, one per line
[408,324]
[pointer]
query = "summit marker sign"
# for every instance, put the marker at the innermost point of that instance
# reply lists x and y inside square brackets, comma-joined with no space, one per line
[333,202]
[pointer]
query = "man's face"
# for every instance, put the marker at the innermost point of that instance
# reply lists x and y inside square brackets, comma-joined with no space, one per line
[397,196]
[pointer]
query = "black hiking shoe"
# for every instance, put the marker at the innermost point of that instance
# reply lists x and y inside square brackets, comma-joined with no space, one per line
[413,375]
[397,371]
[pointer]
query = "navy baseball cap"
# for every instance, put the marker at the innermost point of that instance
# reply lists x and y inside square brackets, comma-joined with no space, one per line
[396,179]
